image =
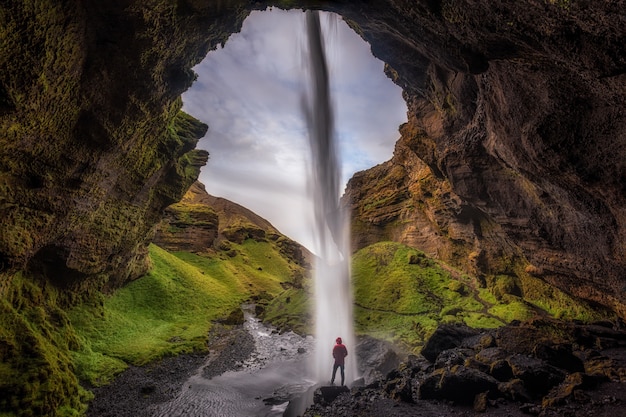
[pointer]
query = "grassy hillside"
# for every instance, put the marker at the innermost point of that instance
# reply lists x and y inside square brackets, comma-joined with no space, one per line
[402,295]
[171,309]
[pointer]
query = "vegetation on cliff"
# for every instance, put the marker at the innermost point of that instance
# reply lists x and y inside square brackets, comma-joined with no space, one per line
[171,309]
[402,295]
[47,348]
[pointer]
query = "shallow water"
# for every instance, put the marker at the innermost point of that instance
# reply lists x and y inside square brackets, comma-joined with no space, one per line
[275,372]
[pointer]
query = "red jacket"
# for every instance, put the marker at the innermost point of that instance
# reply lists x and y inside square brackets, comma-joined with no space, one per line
[339,353]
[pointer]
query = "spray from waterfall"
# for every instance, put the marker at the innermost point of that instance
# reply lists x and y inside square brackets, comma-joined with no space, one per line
[333,292]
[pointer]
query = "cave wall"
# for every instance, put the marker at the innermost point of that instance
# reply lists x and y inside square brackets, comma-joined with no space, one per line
[514,150]
[515,108]
[518,109]
[94,144]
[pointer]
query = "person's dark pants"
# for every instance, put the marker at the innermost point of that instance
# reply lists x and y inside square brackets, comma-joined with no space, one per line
[343,375]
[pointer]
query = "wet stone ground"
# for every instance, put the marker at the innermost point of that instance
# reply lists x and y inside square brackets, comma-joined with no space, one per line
[250,371]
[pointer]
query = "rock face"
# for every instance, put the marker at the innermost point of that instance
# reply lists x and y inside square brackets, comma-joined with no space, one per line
[94,145]
[201,223]
[513,156]
[506,371]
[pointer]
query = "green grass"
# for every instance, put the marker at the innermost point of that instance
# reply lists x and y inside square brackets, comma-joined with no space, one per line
[291,310]
[402,295]
[36,370]
[170,310]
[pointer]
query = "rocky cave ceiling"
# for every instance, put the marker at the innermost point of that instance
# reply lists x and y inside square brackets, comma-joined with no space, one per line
[518,106]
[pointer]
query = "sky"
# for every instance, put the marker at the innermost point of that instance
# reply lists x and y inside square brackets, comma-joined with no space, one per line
[249,92]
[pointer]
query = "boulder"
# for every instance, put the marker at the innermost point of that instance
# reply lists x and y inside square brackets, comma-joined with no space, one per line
[561,393]
[327,394]
[459,384]
[451,357]
[515,390]
[560,355]
[376,358]
[446,337]
[399,386]
[538,376]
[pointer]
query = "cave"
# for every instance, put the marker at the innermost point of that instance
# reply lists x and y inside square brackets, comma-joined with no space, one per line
[517,108]
[513,150]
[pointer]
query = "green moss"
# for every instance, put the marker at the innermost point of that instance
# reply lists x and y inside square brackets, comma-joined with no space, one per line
[556,302]
[291,310]
[36,372]
[171,309]
[402,295]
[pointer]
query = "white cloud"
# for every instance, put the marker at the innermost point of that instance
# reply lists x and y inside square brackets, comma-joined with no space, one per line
[249,93]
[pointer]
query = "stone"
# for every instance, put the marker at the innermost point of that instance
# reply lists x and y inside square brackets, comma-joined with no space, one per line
[458,384]
[451,357]
[445,337]
[327,394]
[538,376]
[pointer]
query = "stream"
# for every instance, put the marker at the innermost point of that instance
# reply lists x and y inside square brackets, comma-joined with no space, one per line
[262,386]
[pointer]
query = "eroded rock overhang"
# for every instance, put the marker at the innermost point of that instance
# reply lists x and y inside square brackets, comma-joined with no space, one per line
[518,105]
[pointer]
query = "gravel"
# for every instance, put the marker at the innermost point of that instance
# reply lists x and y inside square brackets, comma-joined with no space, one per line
[136,391]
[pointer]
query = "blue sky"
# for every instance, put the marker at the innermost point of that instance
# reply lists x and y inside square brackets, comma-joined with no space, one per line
[249,93]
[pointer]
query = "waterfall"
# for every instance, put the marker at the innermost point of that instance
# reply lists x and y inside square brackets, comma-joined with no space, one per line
[333,292]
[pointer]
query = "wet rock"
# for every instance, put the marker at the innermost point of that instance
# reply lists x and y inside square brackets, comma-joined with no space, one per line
[376,358]
[327,394]
[538,376]
[446,337]
[399,386]
[459,384]
[451,357]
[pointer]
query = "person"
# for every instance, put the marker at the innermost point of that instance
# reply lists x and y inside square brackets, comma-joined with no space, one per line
[339,353]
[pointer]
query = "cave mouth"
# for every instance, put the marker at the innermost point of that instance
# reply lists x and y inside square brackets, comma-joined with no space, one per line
[249,92]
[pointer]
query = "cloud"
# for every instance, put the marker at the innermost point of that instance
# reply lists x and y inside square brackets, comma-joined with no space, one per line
[249,93]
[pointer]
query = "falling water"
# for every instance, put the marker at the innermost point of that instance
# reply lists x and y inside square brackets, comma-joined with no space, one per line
[333,293]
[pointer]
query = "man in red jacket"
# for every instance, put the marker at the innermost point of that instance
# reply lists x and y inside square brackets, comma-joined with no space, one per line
[339,353]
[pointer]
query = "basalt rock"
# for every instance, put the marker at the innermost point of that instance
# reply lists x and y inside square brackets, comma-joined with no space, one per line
[201,222]
[511,162]
[502,379]
[513,154]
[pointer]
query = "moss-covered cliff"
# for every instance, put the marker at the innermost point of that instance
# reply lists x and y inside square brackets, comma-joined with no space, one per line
[513,155]
[512,162]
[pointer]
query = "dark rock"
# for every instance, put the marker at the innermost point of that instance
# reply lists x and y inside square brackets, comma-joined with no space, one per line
[515,390]
[399,387]
[446,337]
[327,394]
[530,408]
[376,358]
[459,384]
[479,341]
[476,364]
[491,355]
[538,376]
[561,356]
[501,370]
[451,357]
[480,402]
[564,391]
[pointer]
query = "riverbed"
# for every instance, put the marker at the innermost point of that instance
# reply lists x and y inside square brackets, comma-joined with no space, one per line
[252,371]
